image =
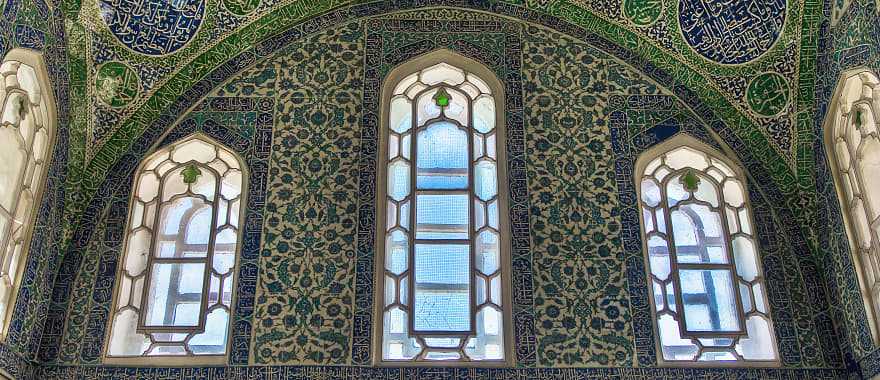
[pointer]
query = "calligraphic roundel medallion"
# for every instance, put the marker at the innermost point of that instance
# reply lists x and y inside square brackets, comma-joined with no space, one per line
[731,31]
[153,27]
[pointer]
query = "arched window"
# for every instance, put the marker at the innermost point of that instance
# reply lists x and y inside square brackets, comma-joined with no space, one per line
[709,293]
[27,135]
[177,274]
[854,152]
[444,238]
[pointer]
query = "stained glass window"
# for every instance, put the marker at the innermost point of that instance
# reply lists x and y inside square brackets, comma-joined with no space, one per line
[27,133]
[854,149]
[709,291]
[442,272]
[176,276]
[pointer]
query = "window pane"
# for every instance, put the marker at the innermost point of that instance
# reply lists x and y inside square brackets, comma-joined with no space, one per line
[486,180]
[709,300]
[175,295]
[442,216]
[442,158]
[442,291]
[698,235]
[185,224]
[11,162]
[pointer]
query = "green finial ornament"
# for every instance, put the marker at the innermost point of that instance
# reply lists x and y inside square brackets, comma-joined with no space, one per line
[442,98]
[190,174]
[690,181]
[858,119]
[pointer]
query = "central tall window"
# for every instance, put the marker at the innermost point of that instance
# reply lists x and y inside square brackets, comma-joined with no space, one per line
[442,272]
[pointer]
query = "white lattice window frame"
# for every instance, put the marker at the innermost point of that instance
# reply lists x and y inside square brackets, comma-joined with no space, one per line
[857,96]
[24,82]
[224,158]
[488,79]
[720,171]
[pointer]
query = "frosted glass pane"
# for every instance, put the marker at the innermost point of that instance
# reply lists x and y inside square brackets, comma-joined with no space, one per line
[484,114]
[458,107]
[484,88]
[650,192]
[401,115]
[674,347]
[675,191]
[659,302]
[745,297]
[485,180]
[492,146]
[398,180]
[175,295]
[685,157]
[405,215]
[709,300]
[442,216]
[224,256]
[487,259]
[393,146]
[11,163]
[396,252]
[442,72]
[492,212]
[213,340]
[442,290]
[869,167]
[746,258]
[198,227]
[230,186]
[706,192]
[173,184]
[760,344]
[194,150]
[390,290]
[442,158]
[733,193]
[479,214]
[427,108]
[405,83]
[647,217]
[698,234]
[658,253]
[124,340]
[137,252]
[185,226]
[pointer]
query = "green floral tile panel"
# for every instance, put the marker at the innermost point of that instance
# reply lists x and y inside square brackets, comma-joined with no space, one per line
[574,212]
[305,289]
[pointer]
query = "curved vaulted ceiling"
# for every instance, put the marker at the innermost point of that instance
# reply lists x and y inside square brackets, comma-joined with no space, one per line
[742,61]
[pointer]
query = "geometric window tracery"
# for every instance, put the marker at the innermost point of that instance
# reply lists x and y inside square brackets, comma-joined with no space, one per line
[27,135]
[709,292]
[854,151]
[176,278]
[443,270]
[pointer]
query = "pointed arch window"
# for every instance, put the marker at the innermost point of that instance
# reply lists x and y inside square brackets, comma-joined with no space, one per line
[27,135]
[443,243]
[854,146]
[177,274]
[709,293]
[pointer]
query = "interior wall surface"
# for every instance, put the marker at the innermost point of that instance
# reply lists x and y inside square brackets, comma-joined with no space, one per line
[849,40]
[37,25]
[302,109]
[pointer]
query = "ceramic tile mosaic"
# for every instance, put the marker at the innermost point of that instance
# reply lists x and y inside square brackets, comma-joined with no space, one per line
[36,25]
[306,274]
[173,58]
[849,39]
